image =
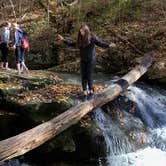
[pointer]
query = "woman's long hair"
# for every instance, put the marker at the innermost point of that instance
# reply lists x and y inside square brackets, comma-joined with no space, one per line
[83,41]
[4,24]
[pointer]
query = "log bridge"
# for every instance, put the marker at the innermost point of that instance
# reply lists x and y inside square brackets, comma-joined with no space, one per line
[28,140]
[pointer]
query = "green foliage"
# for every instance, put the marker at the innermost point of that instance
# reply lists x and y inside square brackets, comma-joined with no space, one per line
[156,44]
[37,26]
[125,10]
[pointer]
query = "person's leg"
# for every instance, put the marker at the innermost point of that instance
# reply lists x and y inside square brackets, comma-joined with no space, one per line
[6,55]
[3,55]
[17,56]
[1,64]
[84,76]
[22,58]
[7,66]
[90,71]
[18,68]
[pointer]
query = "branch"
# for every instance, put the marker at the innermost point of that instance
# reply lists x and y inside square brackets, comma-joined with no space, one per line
[43,5]
[71,4]
[126,42]
[14,12]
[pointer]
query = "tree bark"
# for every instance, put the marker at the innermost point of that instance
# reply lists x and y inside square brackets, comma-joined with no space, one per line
[26,141]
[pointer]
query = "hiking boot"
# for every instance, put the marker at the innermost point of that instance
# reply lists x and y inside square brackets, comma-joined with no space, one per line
[19,72]
[7,68]
[2,68]
[90,96]
[84,97]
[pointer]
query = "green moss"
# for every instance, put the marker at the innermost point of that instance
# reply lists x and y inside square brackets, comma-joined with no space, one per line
[39,111]
[9,89]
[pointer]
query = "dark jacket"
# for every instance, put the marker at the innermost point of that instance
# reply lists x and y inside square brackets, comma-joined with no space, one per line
[18,34]
[88,53]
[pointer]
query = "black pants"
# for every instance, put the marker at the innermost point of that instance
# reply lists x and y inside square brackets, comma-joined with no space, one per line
[87,68]
[5,52]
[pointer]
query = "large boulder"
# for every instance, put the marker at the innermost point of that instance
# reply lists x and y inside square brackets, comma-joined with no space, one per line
[158,71]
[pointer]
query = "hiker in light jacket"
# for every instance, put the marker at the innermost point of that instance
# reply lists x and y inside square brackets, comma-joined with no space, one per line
[19,51]
[4,45]
[86,42]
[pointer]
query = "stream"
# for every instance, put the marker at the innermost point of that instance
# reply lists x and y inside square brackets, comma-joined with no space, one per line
[151,110]
[143,144]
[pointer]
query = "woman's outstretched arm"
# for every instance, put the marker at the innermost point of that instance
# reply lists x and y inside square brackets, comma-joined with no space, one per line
[102,44]
[67,42]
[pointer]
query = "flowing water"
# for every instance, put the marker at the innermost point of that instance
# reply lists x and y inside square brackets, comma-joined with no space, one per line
[151,110]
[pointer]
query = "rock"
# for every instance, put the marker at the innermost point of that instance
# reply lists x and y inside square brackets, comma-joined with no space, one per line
[124,118]
[38,100]
[63,143]
[158,71]
[7,89]
[14,162]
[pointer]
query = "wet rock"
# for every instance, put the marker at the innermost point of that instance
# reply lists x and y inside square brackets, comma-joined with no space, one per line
[14,162]
[158,71]
[63,143]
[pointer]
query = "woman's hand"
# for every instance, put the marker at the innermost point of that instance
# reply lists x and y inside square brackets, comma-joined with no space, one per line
[14,47]
[61,38]
[113,45]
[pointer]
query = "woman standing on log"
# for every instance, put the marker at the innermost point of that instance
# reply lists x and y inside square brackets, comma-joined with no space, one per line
[86,42]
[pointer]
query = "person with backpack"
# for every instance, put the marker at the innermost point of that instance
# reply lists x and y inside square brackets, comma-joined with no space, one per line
[19,49]
[4,45]
[86,42]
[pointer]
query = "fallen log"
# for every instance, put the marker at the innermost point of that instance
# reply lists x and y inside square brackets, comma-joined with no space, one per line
[28,140]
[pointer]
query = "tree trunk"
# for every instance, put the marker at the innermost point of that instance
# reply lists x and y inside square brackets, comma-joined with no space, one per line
[26,141]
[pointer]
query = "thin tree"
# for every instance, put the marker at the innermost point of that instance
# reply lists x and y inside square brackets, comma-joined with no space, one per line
[48,11]
[14,12]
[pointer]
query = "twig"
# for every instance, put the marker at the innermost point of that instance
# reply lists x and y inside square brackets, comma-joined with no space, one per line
[127,42]
[24,16]
[71,4]
[14,12]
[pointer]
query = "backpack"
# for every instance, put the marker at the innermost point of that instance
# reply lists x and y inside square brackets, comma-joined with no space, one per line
[24,40]
[24,43]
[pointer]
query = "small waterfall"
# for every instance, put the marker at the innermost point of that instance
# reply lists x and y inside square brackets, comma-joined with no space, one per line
[116,143]
[14,162]
[151,105]
[151,110]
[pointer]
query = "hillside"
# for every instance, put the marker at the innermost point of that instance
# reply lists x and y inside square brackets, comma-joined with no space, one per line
[136,27]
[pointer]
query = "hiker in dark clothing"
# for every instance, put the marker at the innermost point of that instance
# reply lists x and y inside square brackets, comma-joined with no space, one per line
[86,43]
[4,45]
[19,51]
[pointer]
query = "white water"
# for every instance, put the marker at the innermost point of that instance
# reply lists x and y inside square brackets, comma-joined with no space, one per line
[116,142]
[151,105]
[145,157]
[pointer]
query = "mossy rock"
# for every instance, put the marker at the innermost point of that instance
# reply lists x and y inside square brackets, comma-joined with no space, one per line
[42,112]
[41,95]
[38,95]
[7,89]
